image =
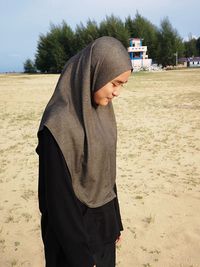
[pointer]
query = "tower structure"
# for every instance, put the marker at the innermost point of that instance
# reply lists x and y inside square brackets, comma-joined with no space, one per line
[138,54]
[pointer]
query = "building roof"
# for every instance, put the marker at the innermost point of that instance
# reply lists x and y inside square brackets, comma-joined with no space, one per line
[189,59]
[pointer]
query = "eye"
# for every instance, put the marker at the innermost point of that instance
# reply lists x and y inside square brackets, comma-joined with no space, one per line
[124,84]
[115,84]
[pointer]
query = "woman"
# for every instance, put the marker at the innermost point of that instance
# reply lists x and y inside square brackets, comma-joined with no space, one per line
[77,159]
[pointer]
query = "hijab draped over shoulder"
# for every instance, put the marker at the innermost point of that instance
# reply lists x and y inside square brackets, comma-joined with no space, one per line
[86,133]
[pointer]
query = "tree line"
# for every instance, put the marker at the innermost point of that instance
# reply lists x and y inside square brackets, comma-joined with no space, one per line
[59,44]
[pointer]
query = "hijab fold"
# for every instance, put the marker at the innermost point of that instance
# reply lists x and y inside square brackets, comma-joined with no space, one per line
[86,133]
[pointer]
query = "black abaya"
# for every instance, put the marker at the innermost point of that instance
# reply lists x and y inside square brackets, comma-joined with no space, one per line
[72,233]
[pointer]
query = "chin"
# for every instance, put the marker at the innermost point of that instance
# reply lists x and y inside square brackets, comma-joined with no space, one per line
[104,103]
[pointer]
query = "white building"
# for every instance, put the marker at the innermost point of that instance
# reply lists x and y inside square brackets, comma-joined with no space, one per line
[138,55]
[191,62]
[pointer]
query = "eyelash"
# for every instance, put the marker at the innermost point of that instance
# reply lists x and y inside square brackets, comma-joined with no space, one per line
[116,85]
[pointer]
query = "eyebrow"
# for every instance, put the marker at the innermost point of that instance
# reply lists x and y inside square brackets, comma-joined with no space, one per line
[118,81]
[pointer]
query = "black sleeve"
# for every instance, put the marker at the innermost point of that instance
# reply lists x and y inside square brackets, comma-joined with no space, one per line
[57,197]
[118,209]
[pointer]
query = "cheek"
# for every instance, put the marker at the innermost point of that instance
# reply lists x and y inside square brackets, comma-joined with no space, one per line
[107,91]
[103,93]
[97,97]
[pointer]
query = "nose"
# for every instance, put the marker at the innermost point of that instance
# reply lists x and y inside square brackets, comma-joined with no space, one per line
[116,93]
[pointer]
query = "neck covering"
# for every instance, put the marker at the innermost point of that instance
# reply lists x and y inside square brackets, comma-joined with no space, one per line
[86,133]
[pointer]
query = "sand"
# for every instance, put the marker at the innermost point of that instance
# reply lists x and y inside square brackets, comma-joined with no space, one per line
[158,170]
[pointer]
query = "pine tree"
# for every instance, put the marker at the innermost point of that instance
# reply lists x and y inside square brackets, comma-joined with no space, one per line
[191,48]
[113,26]
[169,43]
[55,48]
[29,66]
[86,34]
[198,46]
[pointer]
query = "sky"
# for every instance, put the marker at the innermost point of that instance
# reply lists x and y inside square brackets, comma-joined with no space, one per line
[23,21]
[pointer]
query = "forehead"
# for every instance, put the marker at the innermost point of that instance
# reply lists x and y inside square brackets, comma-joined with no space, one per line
[123,77]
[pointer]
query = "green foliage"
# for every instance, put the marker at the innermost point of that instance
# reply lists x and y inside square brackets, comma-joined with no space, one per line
[113,26]
[86,34]
[29,66]
[169,42]
[191,47]
[198,46]
[61,43]
[55,48]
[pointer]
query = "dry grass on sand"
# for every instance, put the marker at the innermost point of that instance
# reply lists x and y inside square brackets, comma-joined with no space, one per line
[158,170]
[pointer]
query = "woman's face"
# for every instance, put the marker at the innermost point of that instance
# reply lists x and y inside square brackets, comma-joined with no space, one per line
[112,89]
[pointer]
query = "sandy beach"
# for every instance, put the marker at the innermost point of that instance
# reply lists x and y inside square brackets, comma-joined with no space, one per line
[158,168]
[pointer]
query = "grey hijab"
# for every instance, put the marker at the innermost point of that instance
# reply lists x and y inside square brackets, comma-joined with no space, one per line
[86,133]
